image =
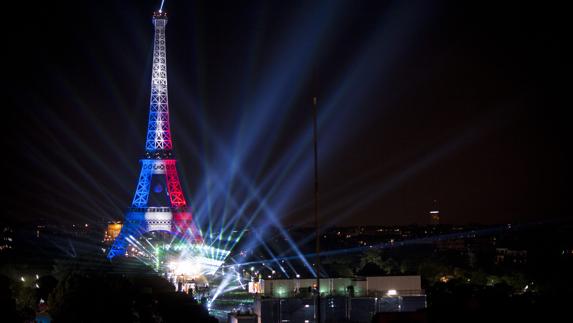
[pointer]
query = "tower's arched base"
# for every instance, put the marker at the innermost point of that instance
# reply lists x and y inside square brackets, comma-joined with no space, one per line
[139,221]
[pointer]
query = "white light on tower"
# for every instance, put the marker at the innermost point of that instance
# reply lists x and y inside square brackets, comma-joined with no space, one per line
[392,292]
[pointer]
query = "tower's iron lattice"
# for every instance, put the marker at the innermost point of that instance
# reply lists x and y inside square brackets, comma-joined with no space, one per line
[158,203]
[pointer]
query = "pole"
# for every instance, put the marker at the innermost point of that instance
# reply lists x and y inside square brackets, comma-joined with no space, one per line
[316,222]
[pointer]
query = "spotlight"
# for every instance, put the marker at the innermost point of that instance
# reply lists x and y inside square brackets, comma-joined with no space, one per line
[186,267]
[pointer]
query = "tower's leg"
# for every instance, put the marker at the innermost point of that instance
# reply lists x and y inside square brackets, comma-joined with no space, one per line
[173,185]
[142,190]
[184,227]
[132,228]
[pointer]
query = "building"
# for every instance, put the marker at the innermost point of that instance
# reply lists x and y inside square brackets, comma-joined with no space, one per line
[112,231]
[394,285]
[358,300]
[435,214]
[434,217]
[334,308]
[400,317]
[369,286]
[509,256]
[6,238]
[158,204]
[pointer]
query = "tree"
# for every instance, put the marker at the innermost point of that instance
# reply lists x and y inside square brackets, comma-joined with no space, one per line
[389,266]
[7,301]
[46,286]
[432,270]
[340,266]
[371,256]
[91,298]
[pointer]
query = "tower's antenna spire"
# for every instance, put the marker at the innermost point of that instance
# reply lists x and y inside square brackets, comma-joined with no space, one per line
[158,143]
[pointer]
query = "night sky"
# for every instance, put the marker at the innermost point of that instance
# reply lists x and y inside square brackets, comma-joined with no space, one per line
[463,103]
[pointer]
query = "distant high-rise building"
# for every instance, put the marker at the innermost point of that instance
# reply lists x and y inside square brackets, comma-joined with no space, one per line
[6,238]
[435,214]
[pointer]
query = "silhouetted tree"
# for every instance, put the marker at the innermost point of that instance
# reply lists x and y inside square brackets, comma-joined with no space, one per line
[7,301]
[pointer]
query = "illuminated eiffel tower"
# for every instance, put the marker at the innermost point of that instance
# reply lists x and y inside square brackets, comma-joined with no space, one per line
[158,203]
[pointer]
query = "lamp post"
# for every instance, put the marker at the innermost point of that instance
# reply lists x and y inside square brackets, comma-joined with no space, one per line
[316,222]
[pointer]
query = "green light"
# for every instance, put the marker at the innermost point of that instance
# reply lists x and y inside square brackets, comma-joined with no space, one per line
[281,292]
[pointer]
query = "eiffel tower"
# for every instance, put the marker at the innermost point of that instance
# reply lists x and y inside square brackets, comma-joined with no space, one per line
[158,203]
